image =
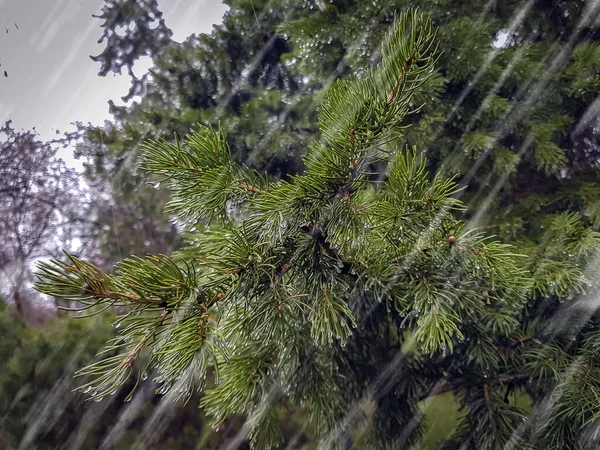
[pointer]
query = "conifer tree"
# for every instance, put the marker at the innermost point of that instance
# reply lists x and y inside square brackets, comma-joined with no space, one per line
[351,294]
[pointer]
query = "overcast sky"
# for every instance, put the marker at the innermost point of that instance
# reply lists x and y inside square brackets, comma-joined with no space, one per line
[51,79]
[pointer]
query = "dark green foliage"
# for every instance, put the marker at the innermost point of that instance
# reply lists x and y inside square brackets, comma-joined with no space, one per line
[512,122]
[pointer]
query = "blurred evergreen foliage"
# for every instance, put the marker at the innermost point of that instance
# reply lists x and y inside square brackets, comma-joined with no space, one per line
[39,408]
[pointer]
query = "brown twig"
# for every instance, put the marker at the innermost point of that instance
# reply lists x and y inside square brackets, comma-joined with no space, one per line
[128,362]
[394,91]
[250,188]
[514,342]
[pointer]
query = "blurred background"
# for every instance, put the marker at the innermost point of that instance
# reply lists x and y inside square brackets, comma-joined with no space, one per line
[512,110]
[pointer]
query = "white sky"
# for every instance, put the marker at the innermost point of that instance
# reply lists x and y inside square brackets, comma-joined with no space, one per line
[51,79]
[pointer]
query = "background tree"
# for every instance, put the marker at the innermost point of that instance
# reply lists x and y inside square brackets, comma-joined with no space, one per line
[230,76]
[131,29]
[128,206]
[40,212]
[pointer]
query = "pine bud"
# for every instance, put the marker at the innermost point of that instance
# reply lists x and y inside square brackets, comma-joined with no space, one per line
[451,240]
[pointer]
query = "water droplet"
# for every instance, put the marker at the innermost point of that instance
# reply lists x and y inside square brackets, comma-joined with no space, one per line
[144,376]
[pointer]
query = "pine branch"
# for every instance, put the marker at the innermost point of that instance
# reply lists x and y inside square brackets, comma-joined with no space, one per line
[114,371]
[300,290]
